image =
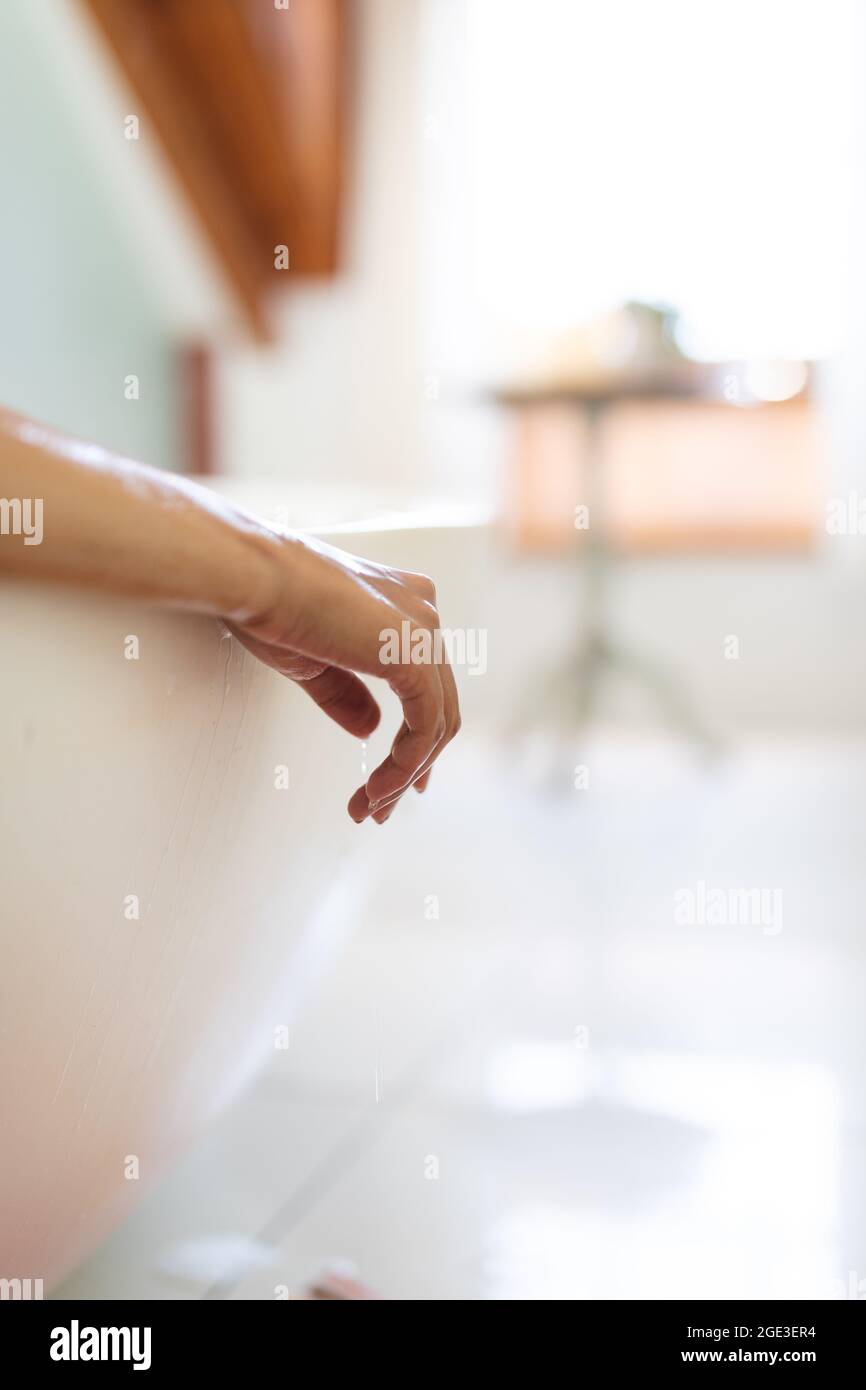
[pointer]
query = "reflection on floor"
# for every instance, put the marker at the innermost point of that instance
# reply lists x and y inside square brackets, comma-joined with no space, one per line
[606,1044]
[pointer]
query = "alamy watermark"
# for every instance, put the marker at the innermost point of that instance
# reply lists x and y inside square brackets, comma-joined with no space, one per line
[849,1286]
[703,906]
[22,516]
[22,1290]
[77,1343]
[419,646]
[846,516]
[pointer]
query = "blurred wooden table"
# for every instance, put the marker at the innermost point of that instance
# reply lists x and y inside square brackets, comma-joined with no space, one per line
[570,696]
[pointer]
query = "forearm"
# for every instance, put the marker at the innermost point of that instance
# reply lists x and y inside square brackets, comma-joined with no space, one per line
[108,523]
[73,513]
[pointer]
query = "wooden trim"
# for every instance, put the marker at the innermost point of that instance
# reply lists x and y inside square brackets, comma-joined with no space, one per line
[313,88]
[249,104]
[138,37]
[197,406]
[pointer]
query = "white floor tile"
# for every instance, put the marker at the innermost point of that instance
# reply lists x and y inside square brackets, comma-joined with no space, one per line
[193,1225]
[620,1103]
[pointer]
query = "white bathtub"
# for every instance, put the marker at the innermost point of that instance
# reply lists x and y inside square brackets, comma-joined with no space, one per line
[153,779]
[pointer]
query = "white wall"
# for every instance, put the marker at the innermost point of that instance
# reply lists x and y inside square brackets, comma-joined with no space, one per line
[77,309]
[369,379]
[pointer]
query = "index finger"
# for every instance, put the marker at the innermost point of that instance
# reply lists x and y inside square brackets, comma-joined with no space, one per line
[419,689]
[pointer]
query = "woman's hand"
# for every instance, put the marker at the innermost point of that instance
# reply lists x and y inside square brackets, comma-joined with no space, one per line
[331,616]
[312,612]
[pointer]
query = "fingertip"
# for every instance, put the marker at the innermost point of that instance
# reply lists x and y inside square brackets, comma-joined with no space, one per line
[373,721]
[358,807]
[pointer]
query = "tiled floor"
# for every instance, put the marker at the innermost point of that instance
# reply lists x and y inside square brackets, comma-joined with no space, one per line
[528,1077]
